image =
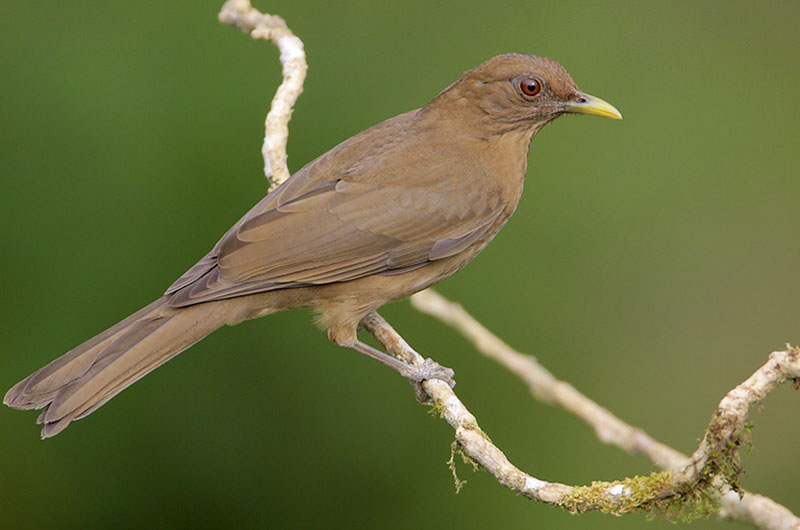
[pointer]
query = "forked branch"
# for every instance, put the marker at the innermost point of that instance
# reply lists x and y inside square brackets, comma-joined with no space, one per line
[714,466]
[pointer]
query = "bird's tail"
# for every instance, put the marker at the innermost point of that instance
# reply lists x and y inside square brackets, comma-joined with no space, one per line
[80,381]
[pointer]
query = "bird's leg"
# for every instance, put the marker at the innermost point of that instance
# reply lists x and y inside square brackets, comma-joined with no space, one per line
[415,373]
[392,342]
[403,358]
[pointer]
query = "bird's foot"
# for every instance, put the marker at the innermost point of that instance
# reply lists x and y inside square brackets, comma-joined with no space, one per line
[416,373]
[430,369]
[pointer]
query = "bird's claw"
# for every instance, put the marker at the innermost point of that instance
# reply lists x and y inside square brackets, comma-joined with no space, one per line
[430,369]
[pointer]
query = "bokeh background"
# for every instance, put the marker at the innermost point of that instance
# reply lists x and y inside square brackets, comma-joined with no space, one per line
[653,262]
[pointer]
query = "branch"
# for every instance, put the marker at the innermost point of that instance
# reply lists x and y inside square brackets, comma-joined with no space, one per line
[713,466]
[273,28]
[727,426]
[470,437]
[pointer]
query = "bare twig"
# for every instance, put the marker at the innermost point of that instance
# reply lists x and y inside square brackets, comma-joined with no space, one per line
[293,58]
[711,463]
[545,386]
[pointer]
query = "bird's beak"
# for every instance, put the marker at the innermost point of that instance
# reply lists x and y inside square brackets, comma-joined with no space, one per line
[586,104]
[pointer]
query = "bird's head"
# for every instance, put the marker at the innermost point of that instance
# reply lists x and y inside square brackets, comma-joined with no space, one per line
[518,92]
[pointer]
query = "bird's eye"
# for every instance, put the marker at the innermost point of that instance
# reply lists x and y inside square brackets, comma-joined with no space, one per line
[530,86]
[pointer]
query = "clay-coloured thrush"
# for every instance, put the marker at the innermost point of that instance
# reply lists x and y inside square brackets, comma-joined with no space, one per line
[384,214]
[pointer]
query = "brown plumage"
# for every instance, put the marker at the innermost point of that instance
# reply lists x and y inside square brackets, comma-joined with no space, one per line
[386,213]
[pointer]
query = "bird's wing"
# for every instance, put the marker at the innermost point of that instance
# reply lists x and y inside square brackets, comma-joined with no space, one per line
[314,231]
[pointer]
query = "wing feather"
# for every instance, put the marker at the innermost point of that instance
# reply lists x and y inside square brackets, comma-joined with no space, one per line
[332,224]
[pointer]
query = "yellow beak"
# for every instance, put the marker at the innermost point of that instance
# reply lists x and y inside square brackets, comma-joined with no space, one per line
[586,104]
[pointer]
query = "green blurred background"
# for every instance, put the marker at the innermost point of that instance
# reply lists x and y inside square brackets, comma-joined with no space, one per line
[653,262]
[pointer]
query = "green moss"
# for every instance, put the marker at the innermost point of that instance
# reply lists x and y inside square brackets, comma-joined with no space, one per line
[456,449]
[661,493]
[724,437]
[652,494]
[630,495]
[436,409]
[476,466]
[451,463]
[473,426]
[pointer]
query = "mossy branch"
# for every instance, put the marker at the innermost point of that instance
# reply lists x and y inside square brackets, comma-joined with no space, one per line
[690,487]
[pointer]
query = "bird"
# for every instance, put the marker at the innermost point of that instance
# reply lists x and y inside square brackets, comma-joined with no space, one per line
[386,213]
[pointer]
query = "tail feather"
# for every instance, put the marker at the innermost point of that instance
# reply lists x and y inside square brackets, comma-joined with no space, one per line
[124,357]
[80,381]
[36,390]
